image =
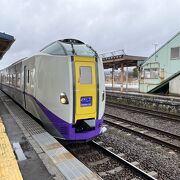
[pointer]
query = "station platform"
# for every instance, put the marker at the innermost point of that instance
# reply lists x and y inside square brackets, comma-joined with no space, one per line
[9,168]
[144,94]
[38,154]
[166,104]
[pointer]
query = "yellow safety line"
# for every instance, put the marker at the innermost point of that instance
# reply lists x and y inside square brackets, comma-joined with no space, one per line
[9,169]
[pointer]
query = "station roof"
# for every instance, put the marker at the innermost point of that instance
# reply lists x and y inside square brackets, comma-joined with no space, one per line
[5,43]
[127,61]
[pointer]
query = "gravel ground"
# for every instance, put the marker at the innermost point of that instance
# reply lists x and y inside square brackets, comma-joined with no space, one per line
[88,154]
[150,121]
[151,156]
[160,136]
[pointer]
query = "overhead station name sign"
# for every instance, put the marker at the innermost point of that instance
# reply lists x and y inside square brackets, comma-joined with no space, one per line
[5,43]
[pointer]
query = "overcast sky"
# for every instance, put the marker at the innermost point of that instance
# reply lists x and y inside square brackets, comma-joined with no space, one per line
[106,25]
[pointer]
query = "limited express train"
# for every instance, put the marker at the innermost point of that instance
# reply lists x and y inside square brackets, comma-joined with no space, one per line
[62,86]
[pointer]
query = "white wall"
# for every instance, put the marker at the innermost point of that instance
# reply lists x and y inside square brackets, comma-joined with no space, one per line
[174,86]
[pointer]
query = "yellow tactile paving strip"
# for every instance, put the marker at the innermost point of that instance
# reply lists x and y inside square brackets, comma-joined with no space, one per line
[9,169]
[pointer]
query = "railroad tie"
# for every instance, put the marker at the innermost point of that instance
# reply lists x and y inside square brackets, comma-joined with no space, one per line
[115,170]
[112,171]
[153,174]
[109,148]
[94,153]
[99,142]
[121,154]
[135,163]
[102,161]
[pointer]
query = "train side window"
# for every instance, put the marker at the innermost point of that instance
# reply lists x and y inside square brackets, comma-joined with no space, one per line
[10,79]
[13,79]
[5,78]
[85,75]
[28,77]
[32,76]
[2,78]
[18,80]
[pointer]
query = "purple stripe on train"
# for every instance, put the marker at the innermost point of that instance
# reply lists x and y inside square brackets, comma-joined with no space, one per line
[66,129]
[63,127]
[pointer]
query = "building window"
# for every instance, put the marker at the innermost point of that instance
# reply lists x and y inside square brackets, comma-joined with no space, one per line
[175,53]
[154,73]
[151,73]
[147,73]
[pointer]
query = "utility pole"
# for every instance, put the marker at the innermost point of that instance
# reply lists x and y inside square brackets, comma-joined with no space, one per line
[155,48]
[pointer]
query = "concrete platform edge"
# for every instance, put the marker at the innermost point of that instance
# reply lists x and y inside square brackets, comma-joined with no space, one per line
[51,168]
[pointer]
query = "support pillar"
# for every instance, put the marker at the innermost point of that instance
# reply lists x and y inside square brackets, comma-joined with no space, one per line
[127,79]
[112,78]
[122,74]
[139,77]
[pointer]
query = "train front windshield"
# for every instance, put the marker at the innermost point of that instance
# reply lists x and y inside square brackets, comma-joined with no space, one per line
[78,49]
[62,48]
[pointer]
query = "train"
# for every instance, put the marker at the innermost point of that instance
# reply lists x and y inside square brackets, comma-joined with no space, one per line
[63,86]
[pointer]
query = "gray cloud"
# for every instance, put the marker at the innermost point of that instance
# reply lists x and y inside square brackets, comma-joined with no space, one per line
[133,25]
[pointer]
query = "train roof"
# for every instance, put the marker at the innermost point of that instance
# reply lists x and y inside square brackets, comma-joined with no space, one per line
[5,43]
[71,41]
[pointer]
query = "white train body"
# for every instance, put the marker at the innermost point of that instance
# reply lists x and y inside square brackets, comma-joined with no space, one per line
[64,90]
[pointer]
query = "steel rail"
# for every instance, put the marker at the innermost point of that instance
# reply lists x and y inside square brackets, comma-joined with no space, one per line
[144,126]
[159,141]
[154,113]
[123,161]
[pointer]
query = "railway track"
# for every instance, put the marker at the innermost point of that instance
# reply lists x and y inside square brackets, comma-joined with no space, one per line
[161,137]
[106,163]
[152,113]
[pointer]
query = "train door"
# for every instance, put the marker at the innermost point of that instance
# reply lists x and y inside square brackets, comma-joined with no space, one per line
[1,80]
[85,88]
[25,85]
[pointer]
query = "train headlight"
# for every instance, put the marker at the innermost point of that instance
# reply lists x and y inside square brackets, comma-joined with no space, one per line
[63,98]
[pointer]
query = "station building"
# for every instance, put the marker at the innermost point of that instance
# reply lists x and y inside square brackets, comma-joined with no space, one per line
[121,61]
[160,73]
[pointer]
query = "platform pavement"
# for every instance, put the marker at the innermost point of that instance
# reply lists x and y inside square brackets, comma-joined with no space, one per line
[46,157]
[9,169]
[32,168]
